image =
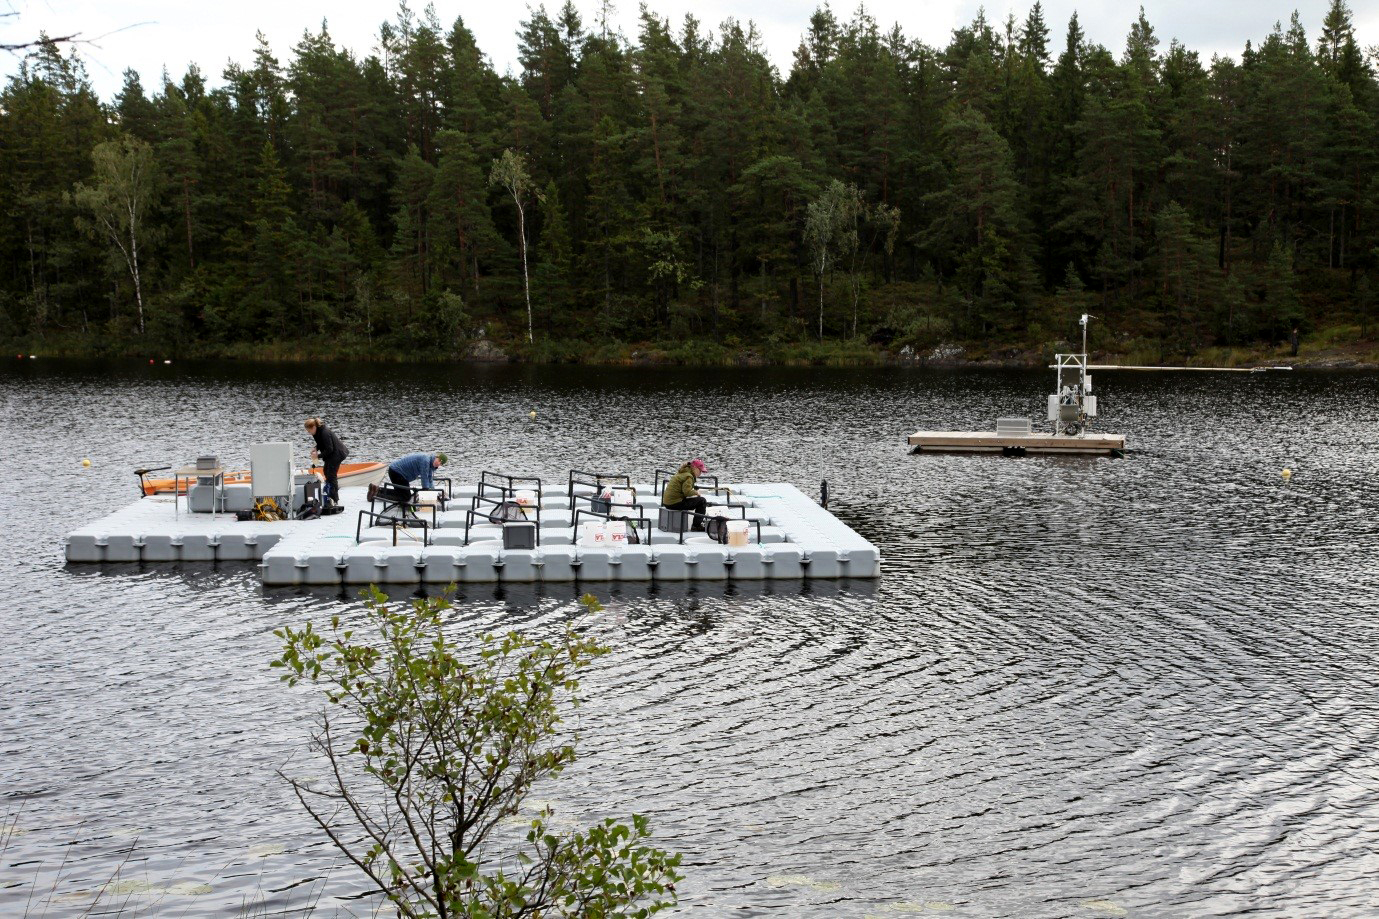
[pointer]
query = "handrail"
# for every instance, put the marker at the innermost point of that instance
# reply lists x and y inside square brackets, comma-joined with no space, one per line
[599,479]
[511,487]
[715,488]
[413,503]
[595,499]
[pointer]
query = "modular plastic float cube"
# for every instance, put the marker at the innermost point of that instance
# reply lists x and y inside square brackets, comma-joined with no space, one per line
[556,563]
[321,567]
[707,564]
[481,563]
[233,547]
[783,560]
[441,565]
[399,565]
[593,564]
[160,547]
[672,562]
[361,562]
[746,563]
[259,543]
[823,563]
[122,548]
[280,570]
[195,547]
[632,564]
[860,562]
[84,548]
[518,565]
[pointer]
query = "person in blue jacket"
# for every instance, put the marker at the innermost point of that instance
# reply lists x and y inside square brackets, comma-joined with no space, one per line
[415,466]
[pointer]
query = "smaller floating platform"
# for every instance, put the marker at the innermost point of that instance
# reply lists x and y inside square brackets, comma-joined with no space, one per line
[1014,444]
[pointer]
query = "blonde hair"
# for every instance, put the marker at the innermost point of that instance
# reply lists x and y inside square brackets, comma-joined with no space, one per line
[312,423]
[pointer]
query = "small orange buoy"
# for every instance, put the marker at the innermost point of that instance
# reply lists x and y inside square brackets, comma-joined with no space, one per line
[86,462]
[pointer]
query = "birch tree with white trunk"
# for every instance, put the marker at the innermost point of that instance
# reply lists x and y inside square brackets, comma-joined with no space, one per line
[122,189]
[510,171]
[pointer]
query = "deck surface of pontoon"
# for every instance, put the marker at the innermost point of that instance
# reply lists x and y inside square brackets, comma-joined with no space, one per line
[798,540]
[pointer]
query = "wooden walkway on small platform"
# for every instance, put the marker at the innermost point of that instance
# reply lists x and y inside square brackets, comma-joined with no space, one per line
[1013,444]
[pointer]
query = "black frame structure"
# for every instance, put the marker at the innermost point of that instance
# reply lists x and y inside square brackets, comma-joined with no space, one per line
[498,511]
[716,488]
[493,480]
[398,512]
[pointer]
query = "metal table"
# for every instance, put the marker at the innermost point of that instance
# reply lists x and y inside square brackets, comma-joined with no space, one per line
[192,473]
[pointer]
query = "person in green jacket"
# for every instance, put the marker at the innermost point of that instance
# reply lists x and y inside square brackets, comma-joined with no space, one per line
[681,494]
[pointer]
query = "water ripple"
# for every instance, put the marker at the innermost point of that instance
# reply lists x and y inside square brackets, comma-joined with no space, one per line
[1082,688]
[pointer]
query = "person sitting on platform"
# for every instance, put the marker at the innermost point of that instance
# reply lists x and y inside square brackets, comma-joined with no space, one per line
[681,494]
[331,451]
[415,466]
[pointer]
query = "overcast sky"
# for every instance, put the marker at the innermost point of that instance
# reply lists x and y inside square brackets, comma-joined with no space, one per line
[149,35]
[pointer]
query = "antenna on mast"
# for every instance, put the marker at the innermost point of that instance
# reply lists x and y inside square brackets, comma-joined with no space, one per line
[1083,322]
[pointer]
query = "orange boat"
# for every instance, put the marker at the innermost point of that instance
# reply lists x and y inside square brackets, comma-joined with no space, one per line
[358,474]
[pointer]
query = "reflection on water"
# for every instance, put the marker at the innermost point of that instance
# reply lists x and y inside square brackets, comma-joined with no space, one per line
[1083,687]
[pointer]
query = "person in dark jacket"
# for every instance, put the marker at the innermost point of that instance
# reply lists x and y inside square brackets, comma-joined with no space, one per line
[331,451]
[681,494]
[414,466]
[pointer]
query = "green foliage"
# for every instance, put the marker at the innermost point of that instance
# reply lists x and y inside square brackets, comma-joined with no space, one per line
[432,742]
[688,191]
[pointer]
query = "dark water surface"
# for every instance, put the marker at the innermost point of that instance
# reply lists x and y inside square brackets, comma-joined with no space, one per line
[1083,687]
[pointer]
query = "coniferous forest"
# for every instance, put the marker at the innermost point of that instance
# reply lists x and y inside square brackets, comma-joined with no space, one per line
[672,193]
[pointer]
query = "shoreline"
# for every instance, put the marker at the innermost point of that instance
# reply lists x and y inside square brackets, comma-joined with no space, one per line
[947,356]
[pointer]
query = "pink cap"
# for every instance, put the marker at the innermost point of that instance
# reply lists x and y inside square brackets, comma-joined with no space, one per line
[699,464]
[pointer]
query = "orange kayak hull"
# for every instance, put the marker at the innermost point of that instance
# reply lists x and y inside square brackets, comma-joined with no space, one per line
[351,474]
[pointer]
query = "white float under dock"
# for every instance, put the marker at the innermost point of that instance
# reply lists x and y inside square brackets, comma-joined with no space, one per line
[799,539]
[1016,444]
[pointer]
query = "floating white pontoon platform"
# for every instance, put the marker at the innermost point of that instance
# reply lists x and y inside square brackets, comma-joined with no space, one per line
[798,539]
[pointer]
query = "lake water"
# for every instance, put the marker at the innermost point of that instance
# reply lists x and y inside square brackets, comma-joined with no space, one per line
[1082,687]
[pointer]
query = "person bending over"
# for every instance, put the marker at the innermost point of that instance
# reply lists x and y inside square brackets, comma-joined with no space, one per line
[682,495]
[331,451]
[415,466]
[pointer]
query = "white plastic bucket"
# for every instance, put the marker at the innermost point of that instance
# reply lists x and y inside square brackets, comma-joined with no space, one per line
[526,499]
[738,532]
[625,497]
[594,533]
[617,533]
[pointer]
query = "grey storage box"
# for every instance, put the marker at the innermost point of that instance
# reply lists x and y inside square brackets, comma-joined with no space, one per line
[519,535]
[672,521]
